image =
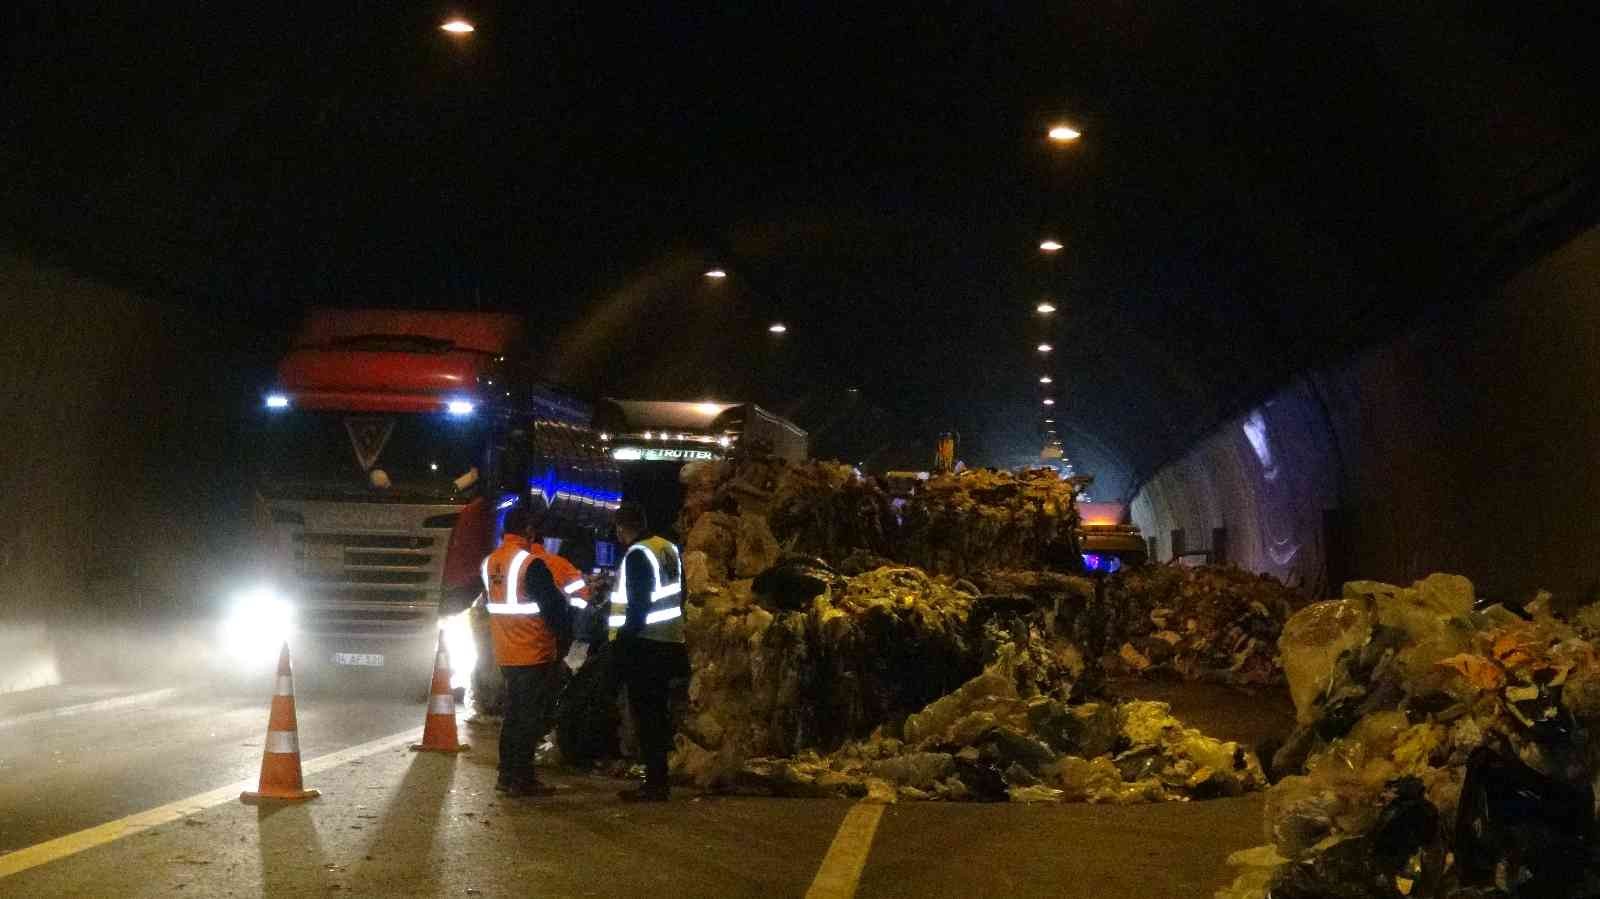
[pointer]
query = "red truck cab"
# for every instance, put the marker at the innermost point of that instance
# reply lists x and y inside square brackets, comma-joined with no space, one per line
[390,447]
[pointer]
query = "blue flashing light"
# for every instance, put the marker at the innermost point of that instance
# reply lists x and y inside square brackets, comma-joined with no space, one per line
[277,401]
[554,489]
[461,408]
[1102,564]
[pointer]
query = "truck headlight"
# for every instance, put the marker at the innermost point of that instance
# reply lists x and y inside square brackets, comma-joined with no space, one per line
[258,621]
[463,649]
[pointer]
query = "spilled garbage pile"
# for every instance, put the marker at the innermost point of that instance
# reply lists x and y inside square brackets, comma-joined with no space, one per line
[1214,624]
[848,642]
[893,684]
[1008,534]
[959,524]
[1441,750]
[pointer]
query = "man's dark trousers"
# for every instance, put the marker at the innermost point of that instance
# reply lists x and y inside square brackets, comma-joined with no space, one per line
[649,668]
[530,698]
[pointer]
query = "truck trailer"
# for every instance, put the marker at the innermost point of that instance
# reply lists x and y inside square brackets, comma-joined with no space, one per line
[391,446]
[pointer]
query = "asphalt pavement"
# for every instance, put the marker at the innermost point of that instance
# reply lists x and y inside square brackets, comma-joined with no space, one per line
[74,765]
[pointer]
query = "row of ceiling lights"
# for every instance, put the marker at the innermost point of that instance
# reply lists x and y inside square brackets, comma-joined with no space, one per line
[721,274]
[1060,135]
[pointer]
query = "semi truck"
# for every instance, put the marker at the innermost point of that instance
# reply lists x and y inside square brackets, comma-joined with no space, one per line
[651,441]
[1108,540]
[391,445]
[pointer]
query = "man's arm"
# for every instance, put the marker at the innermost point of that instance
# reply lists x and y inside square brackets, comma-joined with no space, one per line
[540,586]
[641,583]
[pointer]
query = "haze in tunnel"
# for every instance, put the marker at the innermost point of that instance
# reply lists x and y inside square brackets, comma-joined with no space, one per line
[1260,201]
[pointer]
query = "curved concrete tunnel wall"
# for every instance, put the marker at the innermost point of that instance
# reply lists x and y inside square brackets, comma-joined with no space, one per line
[1468,444]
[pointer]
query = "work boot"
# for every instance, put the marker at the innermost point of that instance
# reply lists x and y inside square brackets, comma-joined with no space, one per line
[646,793]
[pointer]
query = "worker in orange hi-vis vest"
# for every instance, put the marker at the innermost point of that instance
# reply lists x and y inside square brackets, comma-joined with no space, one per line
[530,595]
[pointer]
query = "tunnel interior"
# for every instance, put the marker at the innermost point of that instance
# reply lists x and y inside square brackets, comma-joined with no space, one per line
[1329,306]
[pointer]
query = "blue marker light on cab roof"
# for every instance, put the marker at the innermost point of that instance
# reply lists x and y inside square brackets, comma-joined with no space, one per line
[277,401]
[461,407]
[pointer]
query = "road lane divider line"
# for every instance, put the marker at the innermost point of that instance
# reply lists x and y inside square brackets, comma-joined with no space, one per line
[840,872]
[74,843]
[98,705]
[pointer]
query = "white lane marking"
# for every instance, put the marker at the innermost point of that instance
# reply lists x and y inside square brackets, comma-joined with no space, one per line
[73,843]
[99,705]
[840,872]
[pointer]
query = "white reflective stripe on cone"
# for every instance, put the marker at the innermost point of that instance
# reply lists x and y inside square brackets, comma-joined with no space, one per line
[505,608]
[443,704]
[664,592]
[577,603]
[661,615]
[616,621]
[575,586]
[485,569]
[283,742]
[285,685]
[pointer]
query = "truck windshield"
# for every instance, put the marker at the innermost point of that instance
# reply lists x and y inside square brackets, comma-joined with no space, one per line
[370,455]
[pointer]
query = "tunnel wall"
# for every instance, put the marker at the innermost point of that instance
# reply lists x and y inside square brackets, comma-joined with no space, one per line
[120,475]
[1468,443]
[78,430]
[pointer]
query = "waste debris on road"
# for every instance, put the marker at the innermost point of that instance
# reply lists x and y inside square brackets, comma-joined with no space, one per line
[958,524]
[894,685]
[846,642]
[1005,533]
[1211,623]
[1442,750]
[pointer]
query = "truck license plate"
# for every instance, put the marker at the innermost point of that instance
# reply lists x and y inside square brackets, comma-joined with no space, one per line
[366,659]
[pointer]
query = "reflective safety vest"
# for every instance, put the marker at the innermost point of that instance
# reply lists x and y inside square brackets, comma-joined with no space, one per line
[664,621]
[521,637]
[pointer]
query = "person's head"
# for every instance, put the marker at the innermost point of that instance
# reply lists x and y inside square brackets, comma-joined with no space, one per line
[631,523]
[518,521]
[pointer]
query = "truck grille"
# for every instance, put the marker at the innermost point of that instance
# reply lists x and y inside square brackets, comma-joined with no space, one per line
[366,570]
[365,566]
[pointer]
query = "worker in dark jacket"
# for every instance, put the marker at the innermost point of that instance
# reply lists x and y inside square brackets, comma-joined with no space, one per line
[646,627]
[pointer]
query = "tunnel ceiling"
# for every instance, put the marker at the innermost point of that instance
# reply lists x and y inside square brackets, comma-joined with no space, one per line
[1254,192]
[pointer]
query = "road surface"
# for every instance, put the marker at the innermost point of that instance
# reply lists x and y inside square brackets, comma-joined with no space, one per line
[392,822]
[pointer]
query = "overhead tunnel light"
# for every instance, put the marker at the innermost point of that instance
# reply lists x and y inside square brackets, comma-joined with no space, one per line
[1045,347]
[1046,379]
[1050,245]
[1045,308]
[778,328]
[1064,134]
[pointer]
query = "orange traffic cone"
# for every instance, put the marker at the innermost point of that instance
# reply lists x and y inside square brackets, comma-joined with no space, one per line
[280,762]
[439,728]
